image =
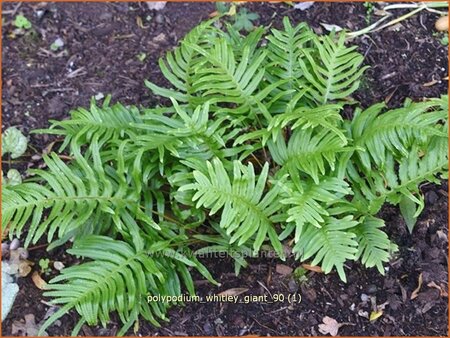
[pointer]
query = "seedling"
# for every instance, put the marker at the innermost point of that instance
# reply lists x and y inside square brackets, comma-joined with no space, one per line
[44,264]
[22,22]
[243,19]
[370,8]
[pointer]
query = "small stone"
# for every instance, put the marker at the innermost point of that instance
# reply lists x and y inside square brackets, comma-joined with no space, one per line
[58,43]
[14,244]
[9,290]
[364,297]
[303,6]
[40,13]
[58,265]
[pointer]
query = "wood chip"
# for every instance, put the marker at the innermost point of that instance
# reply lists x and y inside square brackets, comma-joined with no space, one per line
[283,269]
[38,281]
[314,268]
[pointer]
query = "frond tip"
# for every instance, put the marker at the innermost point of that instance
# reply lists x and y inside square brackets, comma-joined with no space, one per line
[247,211]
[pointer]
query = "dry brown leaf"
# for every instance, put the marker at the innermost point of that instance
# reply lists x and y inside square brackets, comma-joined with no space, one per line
[442,24]
[24,268]
[283,269]
[431,83]
[415,293]
[213,14]
[314,268]
[330,326]
[442,291]
[140,23]
[38,281]
[233,292]
[29,328]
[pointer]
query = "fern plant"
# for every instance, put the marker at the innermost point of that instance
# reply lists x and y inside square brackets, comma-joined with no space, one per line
[251,153]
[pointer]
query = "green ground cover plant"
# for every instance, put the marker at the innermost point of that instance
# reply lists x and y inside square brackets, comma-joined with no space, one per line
[251,152]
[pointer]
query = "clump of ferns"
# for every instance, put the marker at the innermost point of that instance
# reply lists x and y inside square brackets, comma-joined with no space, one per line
[252,151]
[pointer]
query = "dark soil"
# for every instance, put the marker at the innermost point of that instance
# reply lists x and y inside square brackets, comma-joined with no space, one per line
[102,42]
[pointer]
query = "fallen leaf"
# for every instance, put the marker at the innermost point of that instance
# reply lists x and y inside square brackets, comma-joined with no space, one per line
[314,268]
[431,83]
[330,326]
[38,281]
[374,315]
[29,328]
[24,268]
[331,28]
[443,293]
[136,327]
[156,5]
[283,269]
[213,14]
[233,292]
[303,6]
[415,293]
[140,23]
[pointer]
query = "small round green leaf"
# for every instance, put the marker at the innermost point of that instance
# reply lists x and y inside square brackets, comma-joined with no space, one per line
[14,142]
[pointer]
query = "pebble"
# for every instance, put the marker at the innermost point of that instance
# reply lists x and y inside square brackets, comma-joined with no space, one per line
[58,43]
[58,265]
[364,297]
[14,244]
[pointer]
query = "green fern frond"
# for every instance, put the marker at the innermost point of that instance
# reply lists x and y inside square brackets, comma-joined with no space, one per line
[374,246]
[402,177]
[311,205]
[285,48]
[331,70]
[396,130]
[180,65]
[72,195]
[105,123]
[326,116]
[331,244]
[116,279]
[247,211]
[224,79]
[307,152]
